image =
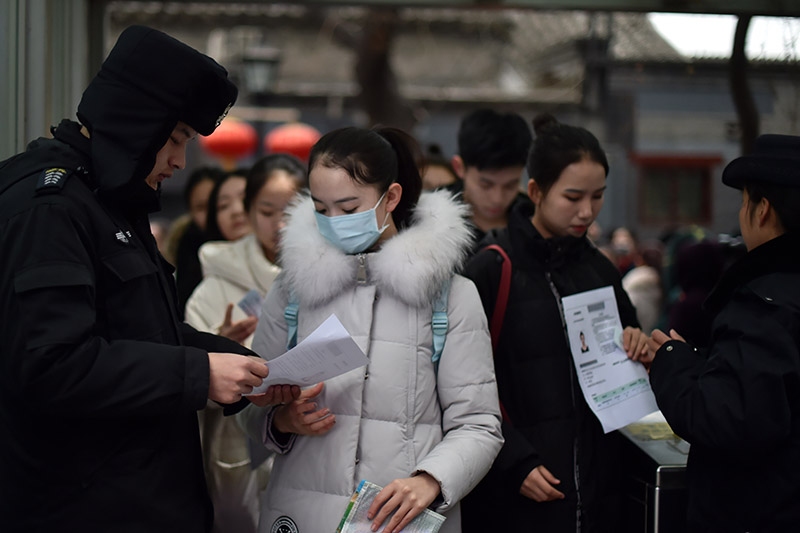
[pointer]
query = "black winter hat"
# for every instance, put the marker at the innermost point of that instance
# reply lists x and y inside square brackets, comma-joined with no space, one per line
[775,160]
[148,83]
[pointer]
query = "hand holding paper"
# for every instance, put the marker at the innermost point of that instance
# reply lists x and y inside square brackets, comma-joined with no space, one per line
[302,416]
[276,394]
[615,388]
[327,352]
[402,500]
[356,520]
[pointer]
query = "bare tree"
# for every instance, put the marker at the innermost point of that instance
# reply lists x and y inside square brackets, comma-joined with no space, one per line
[740,88]
[380,95]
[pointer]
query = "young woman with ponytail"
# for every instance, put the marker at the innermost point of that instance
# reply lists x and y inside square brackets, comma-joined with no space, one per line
[367,246]
[557,472]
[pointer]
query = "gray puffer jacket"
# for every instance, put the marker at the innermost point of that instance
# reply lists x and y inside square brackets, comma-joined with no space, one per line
[397,415]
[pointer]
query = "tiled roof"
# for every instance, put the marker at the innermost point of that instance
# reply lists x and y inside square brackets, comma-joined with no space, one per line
[438,53]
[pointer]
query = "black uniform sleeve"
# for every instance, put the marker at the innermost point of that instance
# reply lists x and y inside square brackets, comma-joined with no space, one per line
[56,362]
[210,342]
[737,398]
[216,343]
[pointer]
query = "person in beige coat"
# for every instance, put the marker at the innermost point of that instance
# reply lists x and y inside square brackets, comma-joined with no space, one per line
[368,248]
[230,271]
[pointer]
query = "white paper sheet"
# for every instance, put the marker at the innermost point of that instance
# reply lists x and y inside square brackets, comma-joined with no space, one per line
[327,352]
[616,388]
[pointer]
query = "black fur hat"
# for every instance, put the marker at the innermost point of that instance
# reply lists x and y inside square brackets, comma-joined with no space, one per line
[148,83]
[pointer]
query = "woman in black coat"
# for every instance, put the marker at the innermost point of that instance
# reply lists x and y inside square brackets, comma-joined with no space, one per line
[557,471]
[738,402]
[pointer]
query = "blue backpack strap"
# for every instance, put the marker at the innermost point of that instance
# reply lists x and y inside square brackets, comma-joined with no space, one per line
[290,315]
[439,322]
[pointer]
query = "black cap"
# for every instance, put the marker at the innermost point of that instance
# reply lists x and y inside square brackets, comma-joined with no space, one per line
[775,160]
[148,83]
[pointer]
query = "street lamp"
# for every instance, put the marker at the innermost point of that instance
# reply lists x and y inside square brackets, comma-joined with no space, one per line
[260,71]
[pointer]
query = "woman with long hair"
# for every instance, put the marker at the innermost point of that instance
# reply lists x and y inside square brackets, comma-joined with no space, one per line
[365,246]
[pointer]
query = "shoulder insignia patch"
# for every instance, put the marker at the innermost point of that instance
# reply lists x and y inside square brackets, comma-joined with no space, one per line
[123,236]
[53,179]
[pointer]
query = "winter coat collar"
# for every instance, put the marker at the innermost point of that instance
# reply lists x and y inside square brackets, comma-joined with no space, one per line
[411,266]
[240,262]
[776,255]
[551,253]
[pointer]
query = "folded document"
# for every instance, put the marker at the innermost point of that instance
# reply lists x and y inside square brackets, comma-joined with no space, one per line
[327,352]
[355,517]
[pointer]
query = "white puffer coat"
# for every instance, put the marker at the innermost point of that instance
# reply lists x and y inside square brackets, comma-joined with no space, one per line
[230,270]
[393,417]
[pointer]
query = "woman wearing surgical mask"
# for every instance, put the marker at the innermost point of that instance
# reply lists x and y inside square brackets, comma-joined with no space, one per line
[365,246]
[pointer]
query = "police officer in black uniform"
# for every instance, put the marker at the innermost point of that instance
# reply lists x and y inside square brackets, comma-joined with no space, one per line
[99,380]
[738,402]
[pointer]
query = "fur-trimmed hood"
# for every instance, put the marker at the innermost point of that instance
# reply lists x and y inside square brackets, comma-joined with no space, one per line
[412,265]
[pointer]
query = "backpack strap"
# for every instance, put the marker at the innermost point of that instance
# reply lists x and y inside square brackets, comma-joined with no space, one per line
[499,313]
[290,315]
[503,290]
[439,322]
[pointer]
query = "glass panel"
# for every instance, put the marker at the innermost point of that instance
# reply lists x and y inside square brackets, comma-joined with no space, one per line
[690,196]
[657,195]
[675,195]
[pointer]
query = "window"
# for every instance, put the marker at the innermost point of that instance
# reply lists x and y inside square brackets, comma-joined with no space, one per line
[675,190]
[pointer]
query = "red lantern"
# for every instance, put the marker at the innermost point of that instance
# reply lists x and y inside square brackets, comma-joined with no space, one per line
[294,138]
[231,140]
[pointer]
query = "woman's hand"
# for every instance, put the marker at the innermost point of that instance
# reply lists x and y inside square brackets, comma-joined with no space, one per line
[276,394]
[302,417]
[634,341]
[539,486]
[237,331]
[409,496]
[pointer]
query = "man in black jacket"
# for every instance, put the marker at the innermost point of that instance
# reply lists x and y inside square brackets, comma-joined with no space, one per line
[492,150]
[738,403]
[99,380]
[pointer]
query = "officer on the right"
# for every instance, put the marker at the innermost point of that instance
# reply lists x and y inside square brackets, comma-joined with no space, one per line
[738,403]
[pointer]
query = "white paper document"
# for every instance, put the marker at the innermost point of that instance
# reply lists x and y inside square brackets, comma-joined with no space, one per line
[327,352]
[616,388]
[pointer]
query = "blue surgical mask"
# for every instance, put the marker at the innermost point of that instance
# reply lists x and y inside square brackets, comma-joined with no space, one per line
[353,233]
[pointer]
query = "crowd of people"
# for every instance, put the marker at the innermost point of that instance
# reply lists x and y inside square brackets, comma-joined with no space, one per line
[124,390]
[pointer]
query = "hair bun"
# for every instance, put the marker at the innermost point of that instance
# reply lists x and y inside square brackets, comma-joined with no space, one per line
[544,122]
[434,150]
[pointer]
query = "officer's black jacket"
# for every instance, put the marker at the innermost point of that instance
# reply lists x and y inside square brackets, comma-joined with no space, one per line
[738,402]
[550,422]
[99,380]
